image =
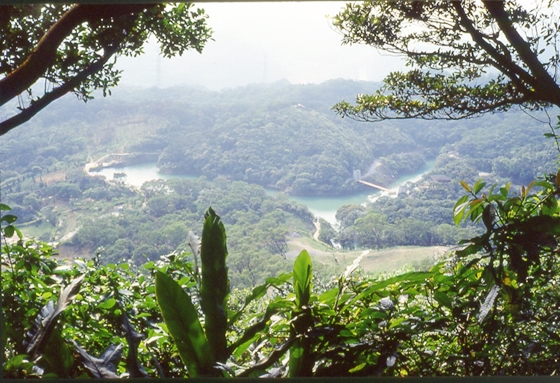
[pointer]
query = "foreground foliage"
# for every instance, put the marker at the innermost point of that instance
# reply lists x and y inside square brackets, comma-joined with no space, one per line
[491,308]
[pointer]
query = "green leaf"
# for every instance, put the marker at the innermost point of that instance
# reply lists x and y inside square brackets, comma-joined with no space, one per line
[296,363]
[549,206]
[279,280]
[57,356]
[373,313]
[505,191]
[8,218]
[442,298]
[459,209]
[404,280]
[395,322]
[359,367]
[109,303]
[214,287]
[183,324]
[542,184]
[329,296]
[472,248]
[302,279]
[9,231]
[478,186]
[258,292]
[4,207]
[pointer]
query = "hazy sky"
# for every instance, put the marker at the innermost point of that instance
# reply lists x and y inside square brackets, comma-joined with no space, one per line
[263,42]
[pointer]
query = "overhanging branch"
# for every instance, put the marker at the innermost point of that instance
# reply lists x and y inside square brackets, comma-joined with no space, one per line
[504,65]
[44,54]
[38,105]
[549,90]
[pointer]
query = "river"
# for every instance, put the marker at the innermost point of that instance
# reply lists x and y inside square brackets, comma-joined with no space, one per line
[324,207]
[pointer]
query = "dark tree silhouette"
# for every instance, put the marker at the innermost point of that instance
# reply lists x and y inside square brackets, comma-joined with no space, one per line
[467,57]
[73,48]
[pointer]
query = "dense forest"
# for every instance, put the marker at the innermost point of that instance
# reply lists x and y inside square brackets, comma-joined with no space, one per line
[281,136]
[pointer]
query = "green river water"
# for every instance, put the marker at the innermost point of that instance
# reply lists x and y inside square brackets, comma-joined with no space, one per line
[324,207]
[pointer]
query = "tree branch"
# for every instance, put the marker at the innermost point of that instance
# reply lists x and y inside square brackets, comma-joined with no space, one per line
[38,105]
[544,83]
[272,358]
[44,54]
[42,57]
[505,65]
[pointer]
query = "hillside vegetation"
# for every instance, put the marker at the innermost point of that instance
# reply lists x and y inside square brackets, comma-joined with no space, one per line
[281,136]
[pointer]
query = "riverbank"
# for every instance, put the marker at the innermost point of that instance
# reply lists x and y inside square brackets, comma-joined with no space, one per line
[118,160]
[320,206]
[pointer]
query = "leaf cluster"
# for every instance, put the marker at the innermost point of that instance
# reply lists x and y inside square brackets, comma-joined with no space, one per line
[450,47]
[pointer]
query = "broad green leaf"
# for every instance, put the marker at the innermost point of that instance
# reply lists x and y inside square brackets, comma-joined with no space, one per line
[373,313]
[214,287]
[9,231]
[395,322]
[256,293]
[302,279]
[182,321]
[329,296]
[8,218]
[442,298]
[297,359]
[299,363]
[279,280]
[490,195]
[194,243]
[550,206]
[359,367]
[403,279]
[4,207]
[478,185]
[459,209]
[504,191]
[473,248]
[542,184]
[57,356]
[109,303]
[18,232]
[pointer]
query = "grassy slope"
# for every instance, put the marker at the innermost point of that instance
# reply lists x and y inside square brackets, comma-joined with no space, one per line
[375,261]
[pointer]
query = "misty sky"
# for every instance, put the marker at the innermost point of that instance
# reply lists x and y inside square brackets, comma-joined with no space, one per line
[263,42]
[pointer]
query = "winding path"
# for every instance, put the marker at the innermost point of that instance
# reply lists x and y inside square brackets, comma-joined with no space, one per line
[317,229]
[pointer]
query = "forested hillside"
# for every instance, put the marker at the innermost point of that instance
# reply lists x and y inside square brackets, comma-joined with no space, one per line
[281,136]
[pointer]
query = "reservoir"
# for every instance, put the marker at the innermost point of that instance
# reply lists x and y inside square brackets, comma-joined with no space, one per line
[321,206]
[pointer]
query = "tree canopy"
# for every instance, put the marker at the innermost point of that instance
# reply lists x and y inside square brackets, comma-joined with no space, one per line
[73,48]
[466,57]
